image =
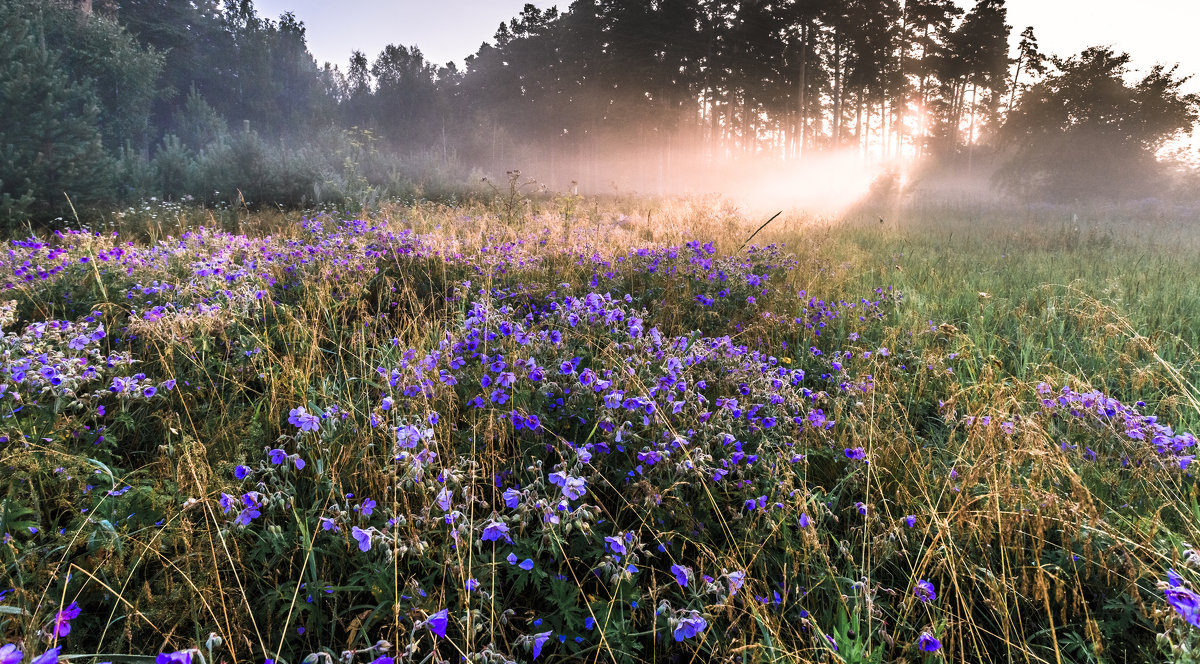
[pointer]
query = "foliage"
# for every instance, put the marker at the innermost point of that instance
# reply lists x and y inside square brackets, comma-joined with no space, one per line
[508,435]
[56,151]
[1084,131]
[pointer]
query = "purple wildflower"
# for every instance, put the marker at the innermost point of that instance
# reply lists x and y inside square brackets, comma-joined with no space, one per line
[438,621]
[1186,602]
[495,530]
[48,657]
[303,420]
[690,626]
[62,620]
[539,640]
[9,654]
[924,591]
[681,574]
[363,537]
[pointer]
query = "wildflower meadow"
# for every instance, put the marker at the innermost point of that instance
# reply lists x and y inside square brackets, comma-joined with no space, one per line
[596,430]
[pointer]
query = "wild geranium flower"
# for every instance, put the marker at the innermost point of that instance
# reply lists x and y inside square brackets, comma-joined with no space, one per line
[303,420]
[526,564]
[363,537]
[1173,578]
[368,506]
[616,545]
[180,657]
[911,520]
[438,621]
[247,515]
[924,591]
[495,530]
[62,620]
[1186,603]
[681,574]
[512,497]
[928,643]
[690,626]
[241,472]
[48,657]
[736,581]
[9,654]
[539,640]
[277,456]
[804,521]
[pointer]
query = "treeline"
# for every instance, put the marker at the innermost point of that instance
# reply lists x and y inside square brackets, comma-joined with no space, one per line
[137,98]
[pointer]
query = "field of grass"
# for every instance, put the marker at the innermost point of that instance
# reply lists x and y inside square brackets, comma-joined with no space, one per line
[574,429]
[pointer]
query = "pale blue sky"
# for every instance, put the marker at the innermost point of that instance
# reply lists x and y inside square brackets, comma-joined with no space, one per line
[1151,30]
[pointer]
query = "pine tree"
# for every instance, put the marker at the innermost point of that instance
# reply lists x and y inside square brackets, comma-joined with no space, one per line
[50,141]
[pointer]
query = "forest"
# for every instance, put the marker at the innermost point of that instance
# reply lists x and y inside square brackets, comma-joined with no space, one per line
[211,102]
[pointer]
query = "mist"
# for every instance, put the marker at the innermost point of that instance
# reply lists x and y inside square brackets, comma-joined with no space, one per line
[771,105]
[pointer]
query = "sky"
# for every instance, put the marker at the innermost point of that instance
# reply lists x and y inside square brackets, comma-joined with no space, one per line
[1152,31]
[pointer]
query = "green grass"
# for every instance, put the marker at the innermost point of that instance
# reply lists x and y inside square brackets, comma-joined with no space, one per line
[1045,541]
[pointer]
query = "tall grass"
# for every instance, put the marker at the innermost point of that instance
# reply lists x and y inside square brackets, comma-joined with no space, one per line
[988,385]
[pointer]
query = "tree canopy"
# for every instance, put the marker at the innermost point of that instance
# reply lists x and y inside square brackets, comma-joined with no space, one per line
[172,88]
[1087,130]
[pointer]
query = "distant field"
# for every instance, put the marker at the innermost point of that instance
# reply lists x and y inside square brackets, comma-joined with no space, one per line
[571,428]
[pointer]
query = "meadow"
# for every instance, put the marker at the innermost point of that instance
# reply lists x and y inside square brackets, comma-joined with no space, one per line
[569,429]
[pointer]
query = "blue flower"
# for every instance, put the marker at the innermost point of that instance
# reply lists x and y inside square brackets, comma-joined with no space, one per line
[690,626]
[363,537]
[303,420]
[63,620]
[736,581]
[277,456]
[924,591]
[368,506]
[438,621]
[1173,578]
[9,654]
[1186,603]
[911,520]
[48,657]
[512,497]
[928,643]
[247,515]
[241,472]
[616,544]
[539,640]
[495,530]
[180,657]
[681,574]
[526,564]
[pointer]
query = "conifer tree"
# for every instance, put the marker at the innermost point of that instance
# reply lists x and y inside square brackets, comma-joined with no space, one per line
[50,142]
